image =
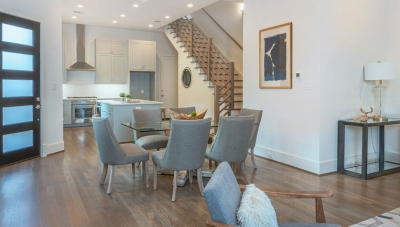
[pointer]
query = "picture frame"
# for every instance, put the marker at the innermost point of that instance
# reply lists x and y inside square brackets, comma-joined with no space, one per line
[275,66]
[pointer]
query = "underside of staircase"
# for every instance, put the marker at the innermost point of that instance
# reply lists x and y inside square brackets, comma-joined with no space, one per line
[216,68]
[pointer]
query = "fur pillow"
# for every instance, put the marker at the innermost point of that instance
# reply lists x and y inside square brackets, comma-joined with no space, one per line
[256,209]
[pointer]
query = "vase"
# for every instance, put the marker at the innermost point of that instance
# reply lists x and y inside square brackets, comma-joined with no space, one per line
[122,99]
[127,99]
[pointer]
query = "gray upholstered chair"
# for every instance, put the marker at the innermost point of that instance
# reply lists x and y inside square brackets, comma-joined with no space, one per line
[189,110]
[184,110]
[232,141]
[257,115]
[149,140]
[223,195]
[112,153]
[185,150]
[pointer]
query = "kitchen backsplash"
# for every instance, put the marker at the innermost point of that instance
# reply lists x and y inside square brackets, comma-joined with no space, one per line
[82,83]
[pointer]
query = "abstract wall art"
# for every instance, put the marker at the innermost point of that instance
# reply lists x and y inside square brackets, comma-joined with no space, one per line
[276,56]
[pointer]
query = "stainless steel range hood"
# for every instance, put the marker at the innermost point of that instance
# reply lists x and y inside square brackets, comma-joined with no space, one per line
[80,65]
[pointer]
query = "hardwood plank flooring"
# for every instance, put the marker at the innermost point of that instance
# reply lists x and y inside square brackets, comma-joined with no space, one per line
[63,190]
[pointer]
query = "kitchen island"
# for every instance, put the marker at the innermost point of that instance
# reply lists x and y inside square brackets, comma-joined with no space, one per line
[118,112]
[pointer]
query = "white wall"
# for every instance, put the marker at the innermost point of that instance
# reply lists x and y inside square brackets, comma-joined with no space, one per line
[291,117]
[198,94]
[332,40]
[83,83]
[48,13]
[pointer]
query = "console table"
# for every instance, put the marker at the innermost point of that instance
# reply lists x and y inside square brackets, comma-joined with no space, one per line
[366,170]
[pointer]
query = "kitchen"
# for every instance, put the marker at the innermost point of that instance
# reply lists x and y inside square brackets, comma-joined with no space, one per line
[111,61]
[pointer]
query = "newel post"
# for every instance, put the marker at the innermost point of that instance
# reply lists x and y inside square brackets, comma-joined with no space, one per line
[209,55]
[216,104]
[191,36]
[232,85]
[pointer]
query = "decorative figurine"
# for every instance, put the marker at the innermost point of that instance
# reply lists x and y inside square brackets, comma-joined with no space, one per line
[365,117]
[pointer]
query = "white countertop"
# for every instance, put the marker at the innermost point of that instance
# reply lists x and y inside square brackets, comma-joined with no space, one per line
[132,102]
[72,99]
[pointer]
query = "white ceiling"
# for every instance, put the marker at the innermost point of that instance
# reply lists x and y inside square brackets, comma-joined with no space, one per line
[103,12]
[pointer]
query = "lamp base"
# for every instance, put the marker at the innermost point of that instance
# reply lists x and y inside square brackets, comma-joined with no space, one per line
[381,119]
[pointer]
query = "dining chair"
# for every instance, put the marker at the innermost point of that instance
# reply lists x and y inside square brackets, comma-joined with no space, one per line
[184,110]
[223,196]
[257,119]
[112,153]
[153,139]
[189,110]
[185,150]
[232,141]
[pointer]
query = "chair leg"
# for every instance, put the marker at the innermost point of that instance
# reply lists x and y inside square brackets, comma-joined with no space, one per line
[154,176]
[174,186]
[133,170]
[110,183]
[190,176]
[200,180]
[242,166]
[252,158]
[103,177]
[146,173]
[210,163]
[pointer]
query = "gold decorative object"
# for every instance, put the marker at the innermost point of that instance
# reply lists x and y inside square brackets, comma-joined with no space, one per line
[182,116]
[365,117]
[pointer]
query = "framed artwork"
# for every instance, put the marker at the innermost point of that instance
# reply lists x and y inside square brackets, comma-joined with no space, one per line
[276,57]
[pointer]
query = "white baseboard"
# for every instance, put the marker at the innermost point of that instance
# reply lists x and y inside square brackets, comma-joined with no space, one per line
[318,167]
[52,148]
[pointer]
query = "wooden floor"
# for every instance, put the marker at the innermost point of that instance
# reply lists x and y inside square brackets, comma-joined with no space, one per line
[63,190]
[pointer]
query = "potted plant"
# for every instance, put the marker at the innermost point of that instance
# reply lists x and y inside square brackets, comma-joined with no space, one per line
[128,97]
[122,95]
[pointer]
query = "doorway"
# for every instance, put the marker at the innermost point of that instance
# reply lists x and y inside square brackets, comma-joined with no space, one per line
[19,89]
[168,77]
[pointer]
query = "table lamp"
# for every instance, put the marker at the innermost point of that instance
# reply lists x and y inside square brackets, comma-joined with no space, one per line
[380,71]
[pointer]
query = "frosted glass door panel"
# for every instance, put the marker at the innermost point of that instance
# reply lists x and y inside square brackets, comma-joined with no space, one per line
[18,114]
[14,61]
[18,35]
[16,141]
[17,88]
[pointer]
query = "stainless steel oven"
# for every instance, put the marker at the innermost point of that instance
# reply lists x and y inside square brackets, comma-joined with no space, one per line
[82,111]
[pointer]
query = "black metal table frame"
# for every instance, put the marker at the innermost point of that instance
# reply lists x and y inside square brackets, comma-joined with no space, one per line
[364,157]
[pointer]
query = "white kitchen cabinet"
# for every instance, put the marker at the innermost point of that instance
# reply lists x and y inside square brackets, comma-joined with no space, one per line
[110,62]
[142,55]
[66,112]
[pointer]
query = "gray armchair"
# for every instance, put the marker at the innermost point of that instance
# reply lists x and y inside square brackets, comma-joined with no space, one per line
[223,196]
[232,141]
[112,153]
[185,150]
[189,110]
[257,114]
[149,140]
[184,110]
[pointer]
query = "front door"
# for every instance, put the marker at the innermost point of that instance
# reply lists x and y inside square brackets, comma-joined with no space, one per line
[19,89]
[168,81]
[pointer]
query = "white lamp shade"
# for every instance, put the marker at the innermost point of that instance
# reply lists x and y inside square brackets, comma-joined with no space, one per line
[380,71]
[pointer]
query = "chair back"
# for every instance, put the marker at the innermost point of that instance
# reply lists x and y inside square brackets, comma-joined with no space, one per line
[184,110]
[223,195]
[257,115]
[146,115]
[233,138]
[109,150]
[187,144]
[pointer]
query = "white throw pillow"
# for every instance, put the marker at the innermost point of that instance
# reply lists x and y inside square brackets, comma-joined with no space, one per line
[256,209]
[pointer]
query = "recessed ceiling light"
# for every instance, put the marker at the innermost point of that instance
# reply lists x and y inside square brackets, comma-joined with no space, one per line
[190,5]
[73,17]
[80,6]
[114,21]
[150,25]
[136,5]
[122,15]
[167,17]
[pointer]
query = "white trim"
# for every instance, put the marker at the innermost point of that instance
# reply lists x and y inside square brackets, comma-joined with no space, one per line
[52,148]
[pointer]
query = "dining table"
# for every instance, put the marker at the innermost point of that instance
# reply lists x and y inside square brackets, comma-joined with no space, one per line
[166,126]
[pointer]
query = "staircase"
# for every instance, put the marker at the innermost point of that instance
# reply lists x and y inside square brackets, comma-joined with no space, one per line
[216,68]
